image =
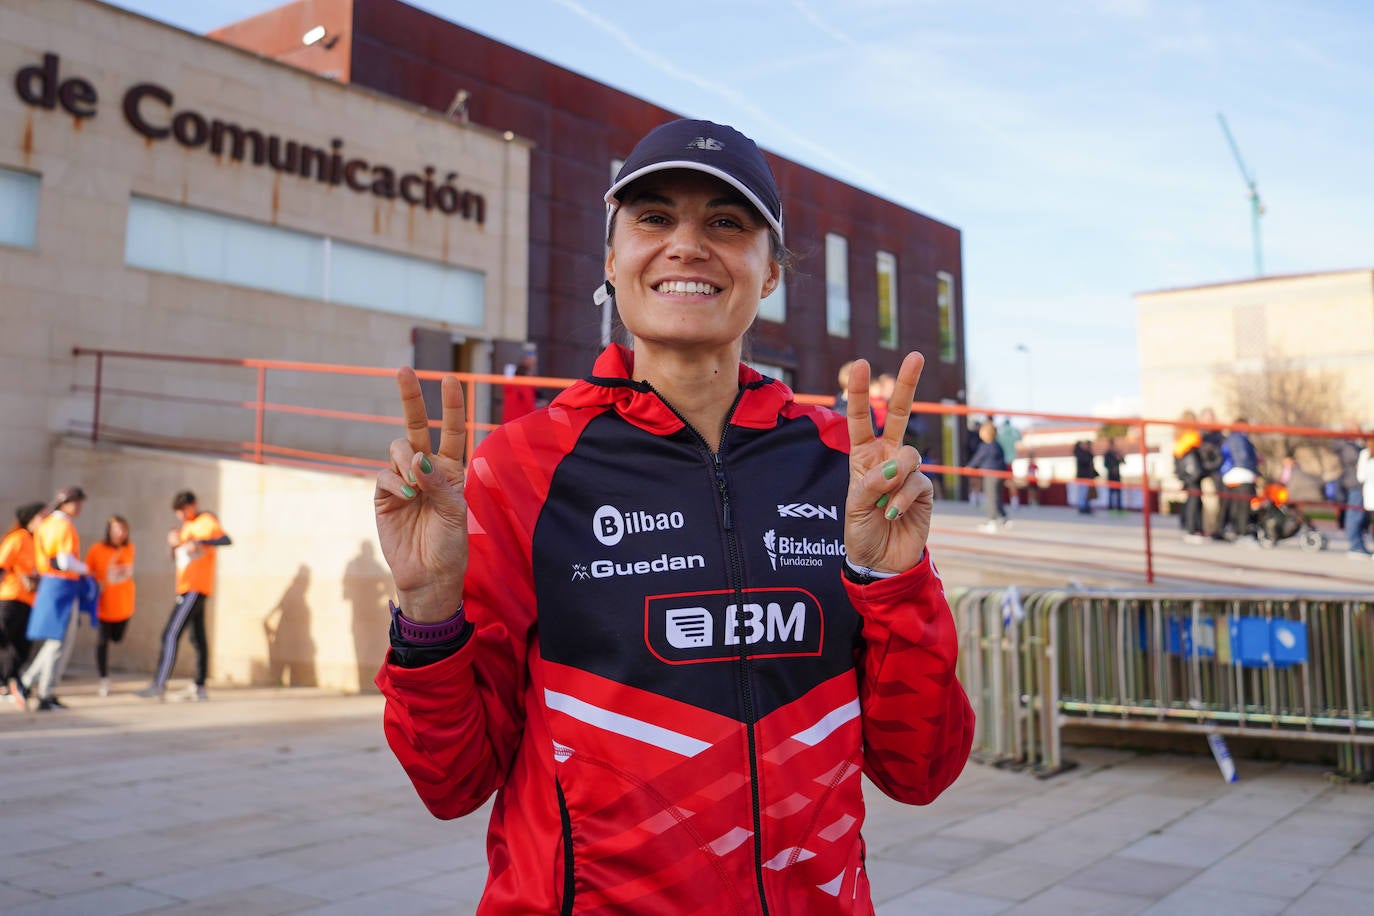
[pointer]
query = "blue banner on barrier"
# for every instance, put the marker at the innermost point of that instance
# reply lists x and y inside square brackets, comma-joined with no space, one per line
[1251,642]
[1257,642]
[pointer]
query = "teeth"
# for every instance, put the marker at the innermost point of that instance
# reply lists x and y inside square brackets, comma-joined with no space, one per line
[686,287]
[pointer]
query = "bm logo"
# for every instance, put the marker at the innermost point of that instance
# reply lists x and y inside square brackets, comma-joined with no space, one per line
[696,627]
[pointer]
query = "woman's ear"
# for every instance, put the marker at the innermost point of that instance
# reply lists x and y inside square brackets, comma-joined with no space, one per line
[610,265]
[770,283]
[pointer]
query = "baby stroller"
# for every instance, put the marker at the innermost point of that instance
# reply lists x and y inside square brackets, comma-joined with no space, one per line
[1277,519]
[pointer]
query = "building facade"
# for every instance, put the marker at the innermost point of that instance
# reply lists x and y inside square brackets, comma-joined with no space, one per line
[1196,341]
[164,192]
[875,279]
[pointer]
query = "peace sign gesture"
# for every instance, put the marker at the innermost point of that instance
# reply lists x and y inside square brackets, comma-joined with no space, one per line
[887,512]
[421,514]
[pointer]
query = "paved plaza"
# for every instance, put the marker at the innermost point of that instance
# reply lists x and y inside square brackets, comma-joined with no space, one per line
[268,801]
[1054,545]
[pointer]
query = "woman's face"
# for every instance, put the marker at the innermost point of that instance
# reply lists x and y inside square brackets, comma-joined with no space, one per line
[690,259]
[119,533]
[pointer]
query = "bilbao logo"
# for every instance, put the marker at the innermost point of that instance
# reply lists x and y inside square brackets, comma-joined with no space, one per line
[611,525]
[695,627]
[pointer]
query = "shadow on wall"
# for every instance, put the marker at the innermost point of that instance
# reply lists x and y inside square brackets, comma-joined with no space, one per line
[290,647]
[366,585]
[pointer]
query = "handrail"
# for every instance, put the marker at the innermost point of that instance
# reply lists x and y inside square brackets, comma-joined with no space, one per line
[259,449]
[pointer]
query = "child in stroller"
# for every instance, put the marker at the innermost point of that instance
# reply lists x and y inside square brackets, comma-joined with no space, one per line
[1276,519]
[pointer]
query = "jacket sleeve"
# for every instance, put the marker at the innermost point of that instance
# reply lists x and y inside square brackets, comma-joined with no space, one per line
[917,721]
[455,725]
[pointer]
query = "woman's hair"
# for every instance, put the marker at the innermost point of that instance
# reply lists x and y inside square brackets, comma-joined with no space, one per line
[109,526]
[25,514]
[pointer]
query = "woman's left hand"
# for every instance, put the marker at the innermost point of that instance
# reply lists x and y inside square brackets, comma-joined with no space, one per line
[887,512]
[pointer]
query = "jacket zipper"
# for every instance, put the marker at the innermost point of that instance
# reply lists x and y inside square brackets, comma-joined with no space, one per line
[569,883]
[737,585]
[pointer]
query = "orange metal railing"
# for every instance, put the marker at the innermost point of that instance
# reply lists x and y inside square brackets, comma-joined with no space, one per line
[260,448]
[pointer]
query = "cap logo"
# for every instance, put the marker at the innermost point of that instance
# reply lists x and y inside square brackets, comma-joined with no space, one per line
[709,143]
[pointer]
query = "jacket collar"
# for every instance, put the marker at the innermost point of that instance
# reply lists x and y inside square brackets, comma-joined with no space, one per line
[611,385]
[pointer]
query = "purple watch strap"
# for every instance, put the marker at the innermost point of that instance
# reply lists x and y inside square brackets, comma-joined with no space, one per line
[428,634]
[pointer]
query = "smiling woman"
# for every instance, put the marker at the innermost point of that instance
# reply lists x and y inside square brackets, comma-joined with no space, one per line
[619,621]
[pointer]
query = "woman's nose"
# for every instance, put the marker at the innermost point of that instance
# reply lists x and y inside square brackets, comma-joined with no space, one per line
[688,241]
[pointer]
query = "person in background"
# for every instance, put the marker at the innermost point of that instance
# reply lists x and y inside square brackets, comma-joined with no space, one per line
[1032,480]
[1364,473]
[18,581]
[1007,437]
[57,557]
[1209,452]
[842,399]
[1351,494]
[879,393]
[518,400]
[1239,471]
[1085,473]
[988,458]
[194,546]
[111,561]
[589,611]
[1111,463]
[1188,469]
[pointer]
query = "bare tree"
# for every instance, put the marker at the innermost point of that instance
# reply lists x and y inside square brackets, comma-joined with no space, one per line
[1285,392]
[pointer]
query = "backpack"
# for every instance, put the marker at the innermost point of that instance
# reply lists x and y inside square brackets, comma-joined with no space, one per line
[1209,456]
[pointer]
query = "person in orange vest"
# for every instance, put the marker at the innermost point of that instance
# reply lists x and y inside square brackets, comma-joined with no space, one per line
[18,580]
[57,558]
[111,562]
[194,545]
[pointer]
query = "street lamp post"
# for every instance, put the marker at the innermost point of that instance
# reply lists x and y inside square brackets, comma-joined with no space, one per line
[1030,399]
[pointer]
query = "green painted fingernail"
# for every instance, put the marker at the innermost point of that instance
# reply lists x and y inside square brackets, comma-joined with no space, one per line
[409,493]
[892,513]
[425,465]
[882,500]
[890,469]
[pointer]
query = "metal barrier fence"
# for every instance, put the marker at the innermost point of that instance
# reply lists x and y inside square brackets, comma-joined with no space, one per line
[1286,667]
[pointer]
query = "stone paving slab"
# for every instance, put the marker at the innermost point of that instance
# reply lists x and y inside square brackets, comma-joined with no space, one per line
[285,801]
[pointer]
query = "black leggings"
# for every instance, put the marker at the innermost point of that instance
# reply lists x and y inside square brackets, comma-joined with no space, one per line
[188,611]
[14,620]
[110,631]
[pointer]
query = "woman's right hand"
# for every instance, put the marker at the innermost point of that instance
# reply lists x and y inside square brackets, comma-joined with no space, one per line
[422,520]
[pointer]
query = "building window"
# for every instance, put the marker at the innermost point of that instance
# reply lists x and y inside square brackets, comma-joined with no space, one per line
[774,308]
[224,249]
[18,208]
[836,285]
[887,300]
[944,301]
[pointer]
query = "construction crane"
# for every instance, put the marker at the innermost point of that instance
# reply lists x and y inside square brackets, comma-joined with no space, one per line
[1256,207]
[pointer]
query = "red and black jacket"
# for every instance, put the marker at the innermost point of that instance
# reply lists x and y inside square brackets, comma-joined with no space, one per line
[670,686]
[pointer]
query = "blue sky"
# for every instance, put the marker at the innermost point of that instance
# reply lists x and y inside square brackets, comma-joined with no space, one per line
[1075,144]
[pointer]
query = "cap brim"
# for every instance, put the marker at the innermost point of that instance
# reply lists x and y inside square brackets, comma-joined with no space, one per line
[612,203]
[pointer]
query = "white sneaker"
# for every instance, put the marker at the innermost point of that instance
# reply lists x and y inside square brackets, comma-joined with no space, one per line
[990,527]
[104,690]
[195,693]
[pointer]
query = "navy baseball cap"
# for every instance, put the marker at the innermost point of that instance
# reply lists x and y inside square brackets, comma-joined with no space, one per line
[703,146]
